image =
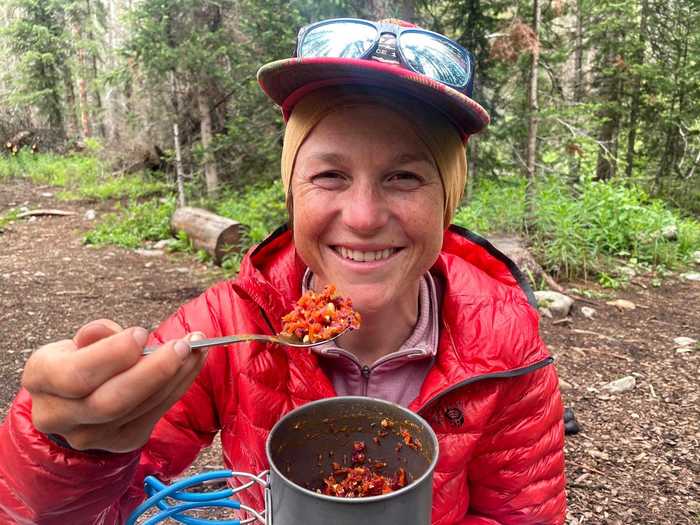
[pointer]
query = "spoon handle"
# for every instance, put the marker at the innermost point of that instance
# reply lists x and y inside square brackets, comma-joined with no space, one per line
[205,343]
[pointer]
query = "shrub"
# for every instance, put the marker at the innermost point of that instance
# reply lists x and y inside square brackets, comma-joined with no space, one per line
[586,229]
[132,225]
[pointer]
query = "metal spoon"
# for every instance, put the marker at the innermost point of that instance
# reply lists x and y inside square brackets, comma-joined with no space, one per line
[279,339]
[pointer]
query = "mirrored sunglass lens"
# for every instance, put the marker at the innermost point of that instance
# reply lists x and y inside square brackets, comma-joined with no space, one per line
[435,58]
[338,39]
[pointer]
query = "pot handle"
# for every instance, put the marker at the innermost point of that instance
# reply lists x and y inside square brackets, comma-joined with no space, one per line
[158,492]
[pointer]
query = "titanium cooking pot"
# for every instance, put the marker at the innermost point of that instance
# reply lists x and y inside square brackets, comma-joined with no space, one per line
[304,443]
[300,449]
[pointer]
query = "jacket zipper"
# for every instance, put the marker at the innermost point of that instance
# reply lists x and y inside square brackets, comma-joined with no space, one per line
[493,375]
[366,370]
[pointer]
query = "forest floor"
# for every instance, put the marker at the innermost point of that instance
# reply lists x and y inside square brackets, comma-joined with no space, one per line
[636,459]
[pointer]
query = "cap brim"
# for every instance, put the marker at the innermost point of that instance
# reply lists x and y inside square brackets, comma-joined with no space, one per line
[285,81]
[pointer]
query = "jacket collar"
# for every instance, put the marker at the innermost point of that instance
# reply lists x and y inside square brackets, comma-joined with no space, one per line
[483,293]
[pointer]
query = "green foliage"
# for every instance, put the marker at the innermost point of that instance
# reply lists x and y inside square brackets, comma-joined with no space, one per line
[38,38]
[135,223]
[82,176]
[260,208]
[587,231]
[497,206]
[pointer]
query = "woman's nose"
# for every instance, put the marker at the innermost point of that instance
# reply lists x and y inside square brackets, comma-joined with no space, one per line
[365,209]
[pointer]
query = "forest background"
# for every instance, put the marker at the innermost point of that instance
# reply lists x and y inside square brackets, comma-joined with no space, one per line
[593,153]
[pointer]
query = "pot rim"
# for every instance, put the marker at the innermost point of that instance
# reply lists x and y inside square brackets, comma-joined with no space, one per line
[368,499]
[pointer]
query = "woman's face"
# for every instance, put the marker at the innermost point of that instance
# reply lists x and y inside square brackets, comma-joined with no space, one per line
[368,206]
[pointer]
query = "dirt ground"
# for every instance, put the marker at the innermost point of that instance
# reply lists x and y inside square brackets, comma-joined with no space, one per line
[636,459]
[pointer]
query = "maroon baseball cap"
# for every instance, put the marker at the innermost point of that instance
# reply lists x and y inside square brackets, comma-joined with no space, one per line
[287,81]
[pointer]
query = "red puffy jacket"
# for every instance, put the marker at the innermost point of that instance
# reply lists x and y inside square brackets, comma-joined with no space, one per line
[491,398]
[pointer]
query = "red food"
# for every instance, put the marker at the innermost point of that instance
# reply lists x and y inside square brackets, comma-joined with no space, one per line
[320,316]
[411,441]
[360,481]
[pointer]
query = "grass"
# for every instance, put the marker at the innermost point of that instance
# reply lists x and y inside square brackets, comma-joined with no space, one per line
[134,224]
[590,230]
[82,176]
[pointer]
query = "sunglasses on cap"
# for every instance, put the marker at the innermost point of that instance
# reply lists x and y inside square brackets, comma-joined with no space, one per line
[424,52]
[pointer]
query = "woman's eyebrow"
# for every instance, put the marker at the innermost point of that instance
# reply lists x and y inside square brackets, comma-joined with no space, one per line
[330,158]
[417,156]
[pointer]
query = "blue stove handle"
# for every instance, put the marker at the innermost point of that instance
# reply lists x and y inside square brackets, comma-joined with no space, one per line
[158,491]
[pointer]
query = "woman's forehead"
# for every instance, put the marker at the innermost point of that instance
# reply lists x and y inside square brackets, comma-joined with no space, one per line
[366,125]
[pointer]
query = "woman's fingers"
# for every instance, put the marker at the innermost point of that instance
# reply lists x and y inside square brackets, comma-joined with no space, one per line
[125,391]
[60,369]
[94,331]
[185,375]
[139,430]
[134,429]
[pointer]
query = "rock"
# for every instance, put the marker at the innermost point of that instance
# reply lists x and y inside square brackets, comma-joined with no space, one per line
[571,426]
[626,271]
[149,253]
[691,276]
[696,257]
[622,304]
[564,385]
[624,384]
[90,215]
[670,232]
[164,243]
[684,341]
[588,312]
[46,194]
[557,303]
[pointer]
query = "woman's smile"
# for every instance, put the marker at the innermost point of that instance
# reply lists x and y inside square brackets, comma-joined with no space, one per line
[368,208]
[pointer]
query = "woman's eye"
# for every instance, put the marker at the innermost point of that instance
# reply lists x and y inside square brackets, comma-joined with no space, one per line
[329,180]
[405,180]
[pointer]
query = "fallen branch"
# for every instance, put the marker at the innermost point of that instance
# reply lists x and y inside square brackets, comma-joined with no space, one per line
[44,212]
[586,467]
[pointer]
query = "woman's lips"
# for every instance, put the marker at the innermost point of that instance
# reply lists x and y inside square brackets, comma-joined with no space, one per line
[365,256]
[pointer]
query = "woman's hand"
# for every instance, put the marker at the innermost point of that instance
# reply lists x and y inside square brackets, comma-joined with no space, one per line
[98,392]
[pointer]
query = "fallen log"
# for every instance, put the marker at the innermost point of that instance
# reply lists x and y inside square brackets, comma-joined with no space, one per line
[19,140]
[216,235]
[33,213]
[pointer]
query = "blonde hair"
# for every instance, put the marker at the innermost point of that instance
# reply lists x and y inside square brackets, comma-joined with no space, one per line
[437,133]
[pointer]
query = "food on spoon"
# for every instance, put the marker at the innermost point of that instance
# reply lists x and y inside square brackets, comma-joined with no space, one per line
[320,316]
[360,480]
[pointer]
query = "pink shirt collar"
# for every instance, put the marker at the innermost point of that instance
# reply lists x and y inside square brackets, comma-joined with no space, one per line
[396,377]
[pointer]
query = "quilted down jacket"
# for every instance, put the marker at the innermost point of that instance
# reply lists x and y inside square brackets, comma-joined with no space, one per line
[491,396]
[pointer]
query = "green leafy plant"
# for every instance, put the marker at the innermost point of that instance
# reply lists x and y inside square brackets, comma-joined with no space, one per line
[134,224]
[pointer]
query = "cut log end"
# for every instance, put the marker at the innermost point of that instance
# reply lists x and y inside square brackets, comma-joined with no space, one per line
[216,235]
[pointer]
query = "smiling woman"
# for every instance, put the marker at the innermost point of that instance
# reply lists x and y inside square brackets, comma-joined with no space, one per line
[374,165]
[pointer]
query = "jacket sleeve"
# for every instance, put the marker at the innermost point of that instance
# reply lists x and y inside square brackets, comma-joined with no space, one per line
[517,472]
[44,483]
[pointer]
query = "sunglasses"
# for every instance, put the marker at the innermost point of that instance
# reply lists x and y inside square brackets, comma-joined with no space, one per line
[430,54]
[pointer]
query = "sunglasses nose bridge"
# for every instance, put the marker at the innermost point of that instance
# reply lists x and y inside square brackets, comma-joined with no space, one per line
[386,49]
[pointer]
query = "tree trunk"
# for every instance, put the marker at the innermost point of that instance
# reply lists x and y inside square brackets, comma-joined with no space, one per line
[610,116]
[533,118]
[180,176]
[82,83]
[96,97]
[636,93]
[211,174]
[408,10]
[578,55]
[72,125]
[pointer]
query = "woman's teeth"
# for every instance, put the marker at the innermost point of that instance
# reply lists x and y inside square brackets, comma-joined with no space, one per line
[359,256]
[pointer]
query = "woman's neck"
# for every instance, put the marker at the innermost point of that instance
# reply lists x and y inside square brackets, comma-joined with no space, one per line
[383,331]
